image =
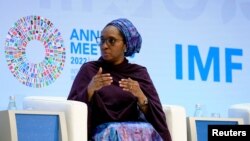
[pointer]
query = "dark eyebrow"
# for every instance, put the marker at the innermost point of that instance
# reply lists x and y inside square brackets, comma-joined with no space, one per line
[102,37]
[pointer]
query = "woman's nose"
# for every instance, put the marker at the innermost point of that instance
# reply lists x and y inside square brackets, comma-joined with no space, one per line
[104,45]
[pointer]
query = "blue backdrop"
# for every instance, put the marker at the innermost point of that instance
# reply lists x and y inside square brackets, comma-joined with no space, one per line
[195,51]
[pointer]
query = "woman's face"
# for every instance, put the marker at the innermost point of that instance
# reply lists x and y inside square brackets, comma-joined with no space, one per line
[112,45]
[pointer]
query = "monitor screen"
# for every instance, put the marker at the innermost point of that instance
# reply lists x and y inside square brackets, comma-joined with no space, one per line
[32,126]
[198,126]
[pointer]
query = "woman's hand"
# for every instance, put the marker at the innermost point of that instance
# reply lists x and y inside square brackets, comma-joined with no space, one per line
[133,87]
[98,81]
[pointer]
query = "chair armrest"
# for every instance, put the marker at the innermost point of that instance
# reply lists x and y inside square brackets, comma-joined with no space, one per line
[75,113]
[176,120]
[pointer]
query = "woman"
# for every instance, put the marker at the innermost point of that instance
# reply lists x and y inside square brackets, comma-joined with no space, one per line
[117,91]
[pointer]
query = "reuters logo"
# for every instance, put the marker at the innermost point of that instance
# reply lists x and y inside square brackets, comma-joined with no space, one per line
[33,66]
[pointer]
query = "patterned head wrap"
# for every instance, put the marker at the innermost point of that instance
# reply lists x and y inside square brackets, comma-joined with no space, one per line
[132,36]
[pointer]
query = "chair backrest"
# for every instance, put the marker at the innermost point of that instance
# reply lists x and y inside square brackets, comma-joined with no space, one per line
[75,113]
[177,122]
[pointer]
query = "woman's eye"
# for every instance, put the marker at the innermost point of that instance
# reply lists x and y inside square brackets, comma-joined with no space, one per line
[111,41]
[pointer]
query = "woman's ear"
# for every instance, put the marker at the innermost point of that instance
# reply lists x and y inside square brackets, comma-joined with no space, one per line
[125,48]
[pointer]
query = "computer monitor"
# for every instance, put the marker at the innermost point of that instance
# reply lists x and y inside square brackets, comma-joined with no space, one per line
[25,125]
[197,127]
